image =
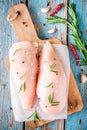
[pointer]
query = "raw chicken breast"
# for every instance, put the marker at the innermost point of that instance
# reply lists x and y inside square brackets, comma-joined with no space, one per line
[51,86]
[23,71]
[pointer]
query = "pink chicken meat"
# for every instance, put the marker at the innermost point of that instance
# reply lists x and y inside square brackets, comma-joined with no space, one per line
[51,86]
[23,71]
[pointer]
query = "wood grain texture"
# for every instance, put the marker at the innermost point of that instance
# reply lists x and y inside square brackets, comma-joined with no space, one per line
[60,125]
[78,121]
[29,128]
[74,98]
[75,101]
[28,33]
[7,121]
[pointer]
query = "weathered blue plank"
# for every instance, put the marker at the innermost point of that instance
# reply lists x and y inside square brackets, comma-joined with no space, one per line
[39,18]
[6,38]
[78,121]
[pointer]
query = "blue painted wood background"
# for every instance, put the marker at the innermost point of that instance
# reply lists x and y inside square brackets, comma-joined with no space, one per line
[76,121]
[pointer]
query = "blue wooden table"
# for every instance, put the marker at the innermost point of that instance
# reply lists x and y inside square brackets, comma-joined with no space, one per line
[76,121]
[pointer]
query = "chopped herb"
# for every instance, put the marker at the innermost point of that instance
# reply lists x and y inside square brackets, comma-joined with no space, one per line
[55,72]
[50,99]
[55,103]
[21,76]
[22,87]
[34,116]
[52,67]
[49,85]
[30,116]
[16,51]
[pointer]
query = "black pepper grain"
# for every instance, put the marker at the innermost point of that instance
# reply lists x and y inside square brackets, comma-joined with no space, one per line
[52,86]
[24,22]
[22,61]
[54,58]
[13,60]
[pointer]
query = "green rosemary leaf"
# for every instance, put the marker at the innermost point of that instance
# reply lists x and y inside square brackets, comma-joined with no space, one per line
[73,15]
[50,99]
[55,103]
[48,85]
[34,116]
[22,87]
[52,67]
[74,35]
[22,76]
[83,64]
[55,71]
[56,19]
[30,116]
[16,51]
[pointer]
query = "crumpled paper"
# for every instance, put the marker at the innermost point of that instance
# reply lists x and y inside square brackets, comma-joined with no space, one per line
[22,115]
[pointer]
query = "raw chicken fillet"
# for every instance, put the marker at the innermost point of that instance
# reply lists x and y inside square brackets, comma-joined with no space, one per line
[51,86]
[23,71]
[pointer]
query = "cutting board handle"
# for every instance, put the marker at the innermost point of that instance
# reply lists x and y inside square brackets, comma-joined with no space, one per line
[20,19]
[22,23]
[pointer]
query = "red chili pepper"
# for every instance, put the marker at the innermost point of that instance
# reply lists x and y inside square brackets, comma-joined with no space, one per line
[75,53]
[57,8]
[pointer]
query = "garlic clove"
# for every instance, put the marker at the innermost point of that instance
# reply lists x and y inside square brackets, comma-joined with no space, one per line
[83,78]
[45,10]
[53,30]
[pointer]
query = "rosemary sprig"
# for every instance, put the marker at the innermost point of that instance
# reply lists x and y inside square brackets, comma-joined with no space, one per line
[50,99]
[55,103]
[16,51]
[73,26]
[22,87]
[52,67]
[22,76]
[34,116]
[49,85]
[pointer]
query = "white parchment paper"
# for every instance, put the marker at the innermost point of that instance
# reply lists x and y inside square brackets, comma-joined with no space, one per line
[22,115]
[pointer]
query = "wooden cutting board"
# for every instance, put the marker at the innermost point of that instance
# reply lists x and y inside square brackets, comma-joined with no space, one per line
[21,21]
